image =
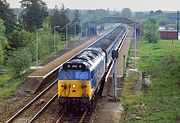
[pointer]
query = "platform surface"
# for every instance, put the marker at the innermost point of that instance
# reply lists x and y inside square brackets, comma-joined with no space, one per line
[55,64]
[109,111]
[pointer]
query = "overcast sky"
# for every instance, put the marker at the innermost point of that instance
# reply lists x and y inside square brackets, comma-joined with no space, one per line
[135,5]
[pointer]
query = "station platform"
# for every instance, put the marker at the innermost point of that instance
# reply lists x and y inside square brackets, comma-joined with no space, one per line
[110,111]
[42,75]
[121,65]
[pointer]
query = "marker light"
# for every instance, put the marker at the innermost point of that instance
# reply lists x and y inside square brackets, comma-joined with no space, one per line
[74,86]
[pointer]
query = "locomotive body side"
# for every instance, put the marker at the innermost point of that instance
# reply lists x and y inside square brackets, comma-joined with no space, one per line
[79,79]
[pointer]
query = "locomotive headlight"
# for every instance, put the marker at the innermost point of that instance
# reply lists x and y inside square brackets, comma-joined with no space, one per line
[74,86]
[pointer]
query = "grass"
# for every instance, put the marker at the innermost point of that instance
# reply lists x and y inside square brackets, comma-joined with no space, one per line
[8,86]
[162,101]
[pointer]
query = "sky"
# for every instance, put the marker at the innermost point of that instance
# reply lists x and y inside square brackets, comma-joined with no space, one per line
[135,5]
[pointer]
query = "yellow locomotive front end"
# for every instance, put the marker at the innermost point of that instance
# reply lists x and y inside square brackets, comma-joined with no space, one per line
[70,89]
[74,85]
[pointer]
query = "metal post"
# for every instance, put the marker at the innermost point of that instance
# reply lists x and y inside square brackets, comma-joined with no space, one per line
[54,39]
[114,57]
[115,80]
[81,30]
[36,48]
[178,25]
[86,32]
[124,62]
[75,29]
[134,46]
[66,31]
[37,45]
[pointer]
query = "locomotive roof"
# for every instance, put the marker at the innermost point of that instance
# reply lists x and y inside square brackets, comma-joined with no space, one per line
[106,41]
[88,58]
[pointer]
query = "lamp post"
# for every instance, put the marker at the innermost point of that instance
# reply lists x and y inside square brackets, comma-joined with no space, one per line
[135,46]
[67,30]
[75,30]
[81,29]
[55,37]
[37,30]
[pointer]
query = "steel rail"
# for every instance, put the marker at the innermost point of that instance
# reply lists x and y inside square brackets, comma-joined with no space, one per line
[77,53]
[107,73]
[84,115]
[44,107]
[60,117]
[31,102]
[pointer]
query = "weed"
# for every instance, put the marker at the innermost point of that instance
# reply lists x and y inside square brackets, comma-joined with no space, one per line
[162,101]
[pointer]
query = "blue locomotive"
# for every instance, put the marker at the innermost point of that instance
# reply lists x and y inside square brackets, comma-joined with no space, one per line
[79,78]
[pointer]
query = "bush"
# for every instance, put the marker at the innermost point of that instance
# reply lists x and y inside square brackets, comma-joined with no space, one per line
[19,61]
[3,41]
[150,28]
[1,55]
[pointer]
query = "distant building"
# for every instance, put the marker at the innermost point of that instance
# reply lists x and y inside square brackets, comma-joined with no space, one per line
[168,34]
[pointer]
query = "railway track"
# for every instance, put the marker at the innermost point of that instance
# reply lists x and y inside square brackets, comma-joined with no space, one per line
[85,116]
[30,112]
[32,109]
[77,117]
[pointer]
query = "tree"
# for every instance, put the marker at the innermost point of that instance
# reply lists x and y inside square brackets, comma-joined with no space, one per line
[16,40]
[35,11]
[55,18]
[64,16]
[19,61]
[21,39]
[59,18]
[76,21]
[8,16]
[1,55]
[3,41]
[126,12]
[151,30]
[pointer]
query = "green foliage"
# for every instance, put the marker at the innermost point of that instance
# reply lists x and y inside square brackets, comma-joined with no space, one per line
[59,18]
[93,15]
[64,16]
[19,61]
[55,17]
[21,39]
[3,41]
[1,55]
[45,41]
[16,40]
[140,16]
[161,102]
[150,28]
[8,85]
[126,12]
[76,19]
[33,14]
[7,15]
[160,17]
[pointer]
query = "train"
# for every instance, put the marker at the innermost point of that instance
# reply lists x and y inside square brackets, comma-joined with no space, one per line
[79,79]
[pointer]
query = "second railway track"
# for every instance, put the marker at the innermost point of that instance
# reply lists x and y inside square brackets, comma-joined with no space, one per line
[33,108]
[32,112]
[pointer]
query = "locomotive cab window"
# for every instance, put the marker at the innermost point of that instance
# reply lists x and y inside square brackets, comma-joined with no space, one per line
[74,75]
[82,75]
